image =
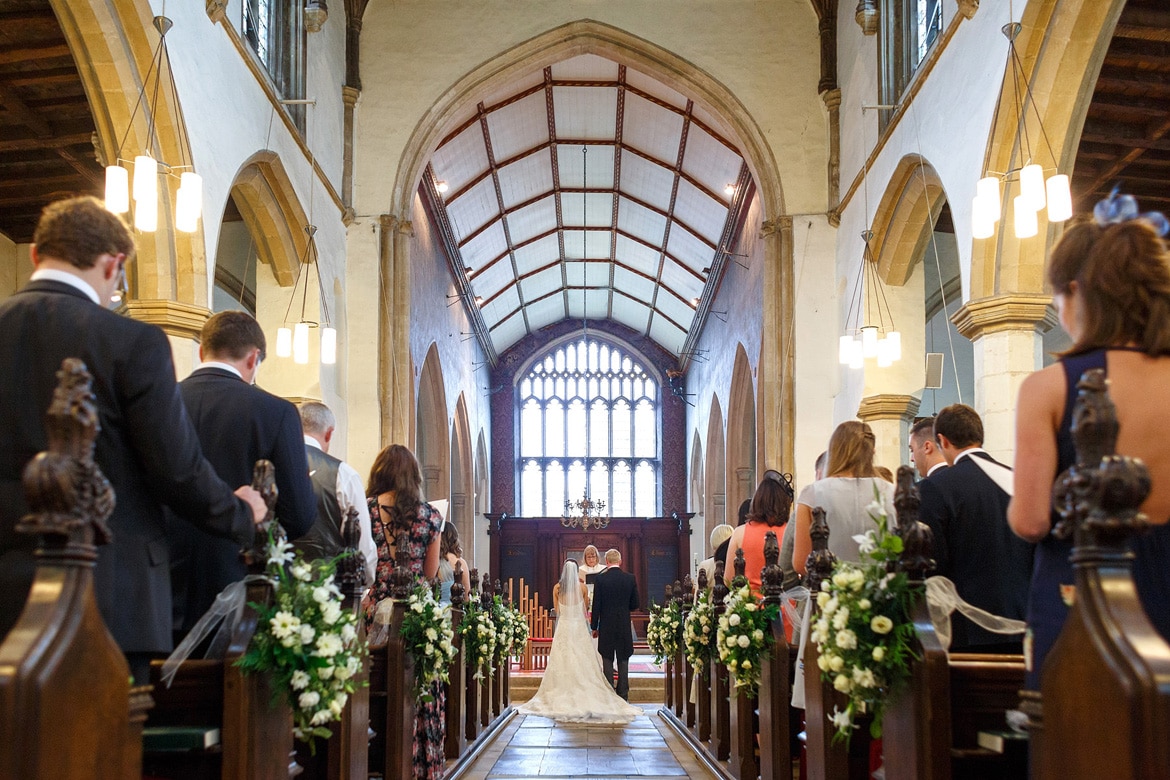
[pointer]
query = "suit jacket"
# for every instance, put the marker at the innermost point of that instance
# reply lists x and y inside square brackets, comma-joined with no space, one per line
[237,424]
[147,448]
[615,596]
[973,546]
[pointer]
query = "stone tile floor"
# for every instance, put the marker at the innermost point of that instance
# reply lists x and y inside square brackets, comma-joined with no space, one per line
[534,747]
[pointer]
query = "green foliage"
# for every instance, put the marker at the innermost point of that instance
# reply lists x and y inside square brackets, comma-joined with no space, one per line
[429,639]
[699,633]
[662,632]
[744,637]
[480,638]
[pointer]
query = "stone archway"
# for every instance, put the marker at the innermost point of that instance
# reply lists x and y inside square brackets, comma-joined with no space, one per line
[715,505]
[460,510]
[566,41]
[741,431]
[905,217]
[270,208]
[698,505]
[482,500]
[432,434]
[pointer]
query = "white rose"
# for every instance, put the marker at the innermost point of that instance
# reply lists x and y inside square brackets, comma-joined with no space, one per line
[841,618]
[348,633]
[328,645]
[341,673]
[751,607]
[822,599]
[335,707]
[823,663]
[331,612]
[307,635]
[299,680]
[733,620]
[747,664]
[321,717]
[723,623]
[843,683]
[731,641]
[301,571]
[846,639]
[836,663]
[321,594]
[353,665]
[326,672]
[308,699]
[744,641]
[879,653]
[432,634]
[881,625]
[429,649]
[864,604]
[758,635]
[831,607]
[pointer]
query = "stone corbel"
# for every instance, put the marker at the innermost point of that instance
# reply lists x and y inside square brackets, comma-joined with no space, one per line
[1016,311]
[867,16]
[316,12]
[888,406]
[967,8]
[216,10]
[181,320]
[832,100]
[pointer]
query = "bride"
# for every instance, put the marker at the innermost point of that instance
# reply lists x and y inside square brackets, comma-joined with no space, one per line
[574,688]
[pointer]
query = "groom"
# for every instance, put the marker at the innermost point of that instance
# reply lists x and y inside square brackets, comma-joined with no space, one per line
[615,595]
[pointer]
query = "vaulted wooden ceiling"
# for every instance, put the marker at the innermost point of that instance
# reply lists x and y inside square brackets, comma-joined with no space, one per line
[1126,138]
[46,128]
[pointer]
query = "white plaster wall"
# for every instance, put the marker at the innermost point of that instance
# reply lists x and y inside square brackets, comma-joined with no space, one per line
[15,266]
[766,52]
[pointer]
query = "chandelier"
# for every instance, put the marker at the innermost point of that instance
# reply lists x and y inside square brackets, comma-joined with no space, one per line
[189,198]
[294,341]
[584,513]
[1035,191]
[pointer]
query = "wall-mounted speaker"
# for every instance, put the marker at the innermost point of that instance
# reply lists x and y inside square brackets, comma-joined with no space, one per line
[934,370]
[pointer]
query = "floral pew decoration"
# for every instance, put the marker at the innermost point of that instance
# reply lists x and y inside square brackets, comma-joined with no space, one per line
[428,637]
[662,632]
[744,636]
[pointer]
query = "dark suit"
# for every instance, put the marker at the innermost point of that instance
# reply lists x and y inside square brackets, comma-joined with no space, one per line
[973,546]
[147,448]
[238,424]
[615,596]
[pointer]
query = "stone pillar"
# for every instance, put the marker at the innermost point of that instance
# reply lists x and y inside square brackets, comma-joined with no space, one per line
[832,100]
[349,96]
[775,426]
[396,378]
[1006,331]
[182,323]
[890,415]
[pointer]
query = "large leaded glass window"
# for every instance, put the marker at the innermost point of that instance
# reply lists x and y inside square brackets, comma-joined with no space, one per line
[589,421]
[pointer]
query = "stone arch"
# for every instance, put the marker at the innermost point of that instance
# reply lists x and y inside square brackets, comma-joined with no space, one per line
[741,430]
[696,478]
[592,37]
[715,478]
[460,510]
[270,208]
[432,434]
[905,217]
[1062,45]
[482,497]
[112,42]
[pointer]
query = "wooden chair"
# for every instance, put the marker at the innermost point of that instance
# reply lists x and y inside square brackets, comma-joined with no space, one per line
[60,645]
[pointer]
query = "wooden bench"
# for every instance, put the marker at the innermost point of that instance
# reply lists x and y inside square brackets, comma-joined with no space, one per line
[536,654]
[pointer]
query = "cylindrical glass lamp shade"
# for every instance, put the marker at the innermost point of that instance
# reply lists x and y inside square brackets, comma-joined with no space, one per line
[189,202]
[328,345]
[857,359]
[982,222]
[1059,198]
[894,344]
[1025,214]
[845,350]
[117,189]
[1032,185]
[284,342]
[145,178]
[883,355]
[146,215]
[301,343]
[988,189]
[869,341]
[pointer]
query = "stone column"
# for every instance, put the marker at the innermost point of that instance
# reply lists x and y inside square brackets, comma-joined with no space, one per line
[182,323]
[832,100]
[775,426]
[1006,331]
[349,96]
[396,377]
[890,415]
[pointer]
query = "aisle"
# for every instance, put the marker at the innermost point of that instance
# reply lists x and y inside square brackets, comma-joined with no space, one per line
[538,747]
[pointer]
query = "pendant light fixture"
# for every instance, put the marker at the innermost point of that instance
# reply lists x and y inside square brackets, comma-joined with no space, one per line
[294,342]
[145,192]
[1035,191]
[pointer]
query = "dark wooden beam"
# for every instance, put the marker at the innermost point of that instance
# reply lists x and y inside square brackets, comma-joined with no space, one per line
[36,142]
[47,51]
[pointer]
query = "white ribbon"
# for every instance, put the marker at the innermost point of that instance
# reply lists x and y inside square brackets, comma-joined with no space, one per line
[798,625]
[225,613]
[942,598]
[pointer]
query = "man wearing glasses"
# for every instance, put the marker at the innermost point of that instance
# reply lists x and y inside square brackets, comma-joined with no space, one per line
[147,448]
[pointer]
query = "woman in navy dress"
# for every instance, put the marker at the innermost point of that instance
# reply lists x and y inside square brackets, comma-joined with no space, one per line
[1110,277]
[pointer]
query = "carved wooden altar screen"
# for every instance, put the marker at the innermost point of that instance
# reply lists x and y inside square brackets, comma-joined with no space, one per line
[656,550]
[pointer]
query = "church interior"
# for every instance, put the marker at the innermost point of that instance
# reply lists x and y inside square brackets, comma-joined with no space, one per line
[601,264]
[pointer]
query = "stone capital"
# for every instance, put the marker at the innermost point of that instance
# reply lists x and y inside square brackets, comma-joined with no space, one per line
[350,95]
[216,10]
[888,406]
[832,98]
[776,225]
[1012,311]
[181,320]
[967,8]
[392,224]
[866,16]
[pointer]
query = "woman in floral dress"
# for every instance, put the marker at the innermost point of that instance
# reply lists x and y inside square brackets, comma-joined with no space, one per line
[398,512]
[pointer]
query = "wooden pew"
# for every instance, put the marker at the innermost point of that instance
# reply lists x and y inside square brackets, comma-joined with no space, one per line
[679,690]
[931,729]
[742,707]
[457,674]
[670,664]
[720,684]
[60,644]
[473,686]
[255,725]
[775,678]
[703,703]
[1105,707]
[392,701]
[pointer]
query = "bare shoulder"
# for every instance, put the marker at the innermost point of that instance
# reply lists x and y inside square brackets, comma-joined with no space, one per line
[1041,397]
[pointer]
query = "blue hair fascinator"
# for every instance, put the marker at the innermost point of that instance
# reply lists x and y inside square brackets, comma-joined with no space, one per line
[1118,208]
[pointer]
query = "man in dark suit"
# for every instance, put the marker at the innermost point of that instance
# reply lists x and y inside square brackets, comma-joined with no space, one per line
[973,546]
[147,447]
[615,595]
[238,424]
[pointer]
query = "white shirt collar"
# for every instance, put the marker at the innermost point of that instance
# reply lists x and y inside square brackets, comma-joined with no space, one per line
[221,367]
[73,280]
[942,464]
[311,442]
[969,451]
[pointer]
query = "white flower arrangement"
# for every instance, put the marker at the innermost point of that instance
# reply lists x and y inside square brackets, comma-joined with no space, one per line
[514,627]
[307,641]
[863,631]
[699,633]
[744,636]
[662,632]
[429,638]
[480,638]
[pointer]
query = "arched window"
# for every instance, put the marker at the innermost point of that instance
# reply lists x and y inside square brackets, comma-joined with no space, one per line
[589,419]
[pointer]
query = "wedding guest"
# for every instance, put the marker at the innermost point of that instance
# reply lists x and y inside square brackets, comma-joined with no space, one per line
[846,493]
[1110,277]
[450,559]
[791,578]
[399,516]
[147,448]
[769,512]
[720,534]
[924,452]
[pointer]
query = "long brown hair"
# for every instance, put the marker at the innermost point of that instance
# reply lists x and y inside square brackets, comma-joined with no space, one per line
[1123,274]
[851,450]
[770,504]
[396,470]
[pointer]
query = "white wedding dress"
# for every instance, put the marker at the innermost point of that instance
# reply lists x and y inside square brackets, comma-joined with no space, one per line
[574,688]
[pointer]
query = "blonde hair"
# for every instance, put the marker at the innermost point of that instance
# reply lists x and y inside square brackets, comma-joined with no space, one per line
[851,449]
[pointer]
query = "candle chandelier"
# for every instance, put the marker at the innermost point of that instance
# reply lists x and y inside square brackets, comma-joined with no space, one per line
[145,193]
[584,513]
[1035,191]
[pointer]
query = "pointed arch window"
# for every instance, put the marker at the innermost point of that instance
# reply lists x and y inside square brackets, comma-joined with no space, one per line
[590,417]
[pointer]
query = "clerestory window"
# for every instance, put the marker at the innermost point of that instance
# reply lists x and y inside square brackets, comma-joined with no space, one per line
[909,29]
[275,30]
[590,417]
